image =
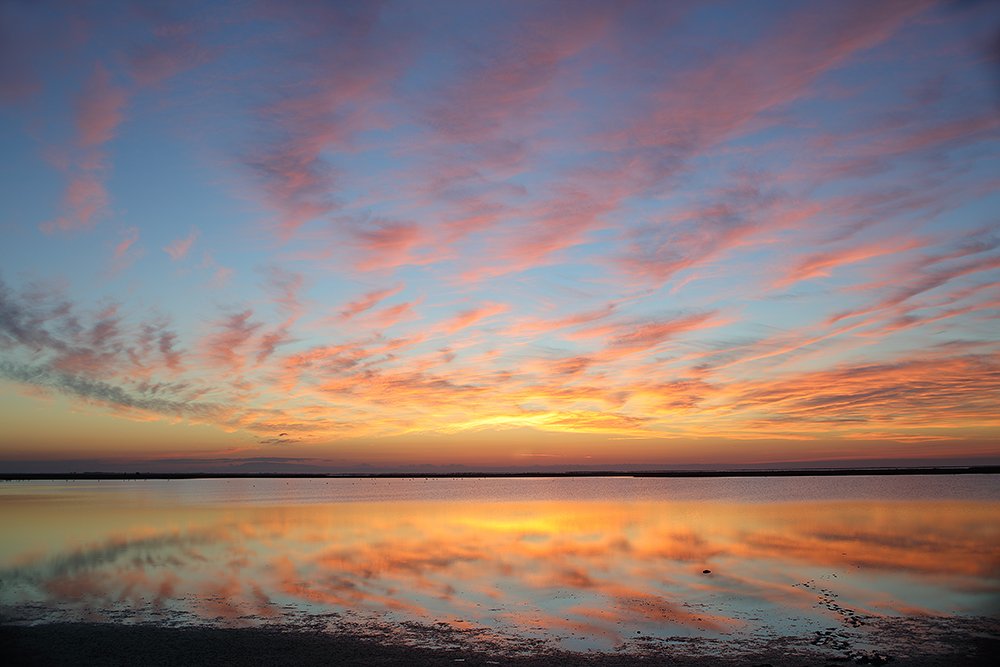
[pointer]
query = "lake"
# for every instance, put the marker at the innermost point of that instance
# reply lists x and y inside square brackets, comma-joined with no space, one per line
[833,565]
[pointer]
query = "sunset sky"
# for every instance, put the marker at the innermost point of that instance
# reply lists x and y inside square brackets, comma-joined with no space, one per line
[498,233]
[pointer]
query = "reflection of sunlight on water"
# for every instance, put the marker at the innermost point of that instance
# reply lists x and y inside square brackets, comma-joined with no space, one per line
[592,573]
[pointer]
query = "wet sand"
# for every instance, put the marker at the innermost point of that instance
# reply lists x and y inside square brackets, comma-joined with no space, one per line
[908,642]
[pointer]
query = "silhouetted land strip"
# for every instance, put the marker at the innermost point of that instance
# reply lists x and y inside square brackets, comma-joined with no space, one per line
[798,472]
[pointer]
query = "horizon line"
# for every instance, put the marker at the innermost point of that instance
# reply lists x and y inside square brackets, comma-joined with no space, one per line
[777,472]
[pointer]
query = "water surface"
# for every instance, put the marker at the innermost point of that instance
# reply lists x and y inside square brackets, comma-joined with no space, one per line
[582,563]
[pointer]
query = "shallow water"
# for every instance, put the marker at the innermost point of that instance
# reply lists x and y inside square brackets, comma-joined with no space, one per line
[582,563]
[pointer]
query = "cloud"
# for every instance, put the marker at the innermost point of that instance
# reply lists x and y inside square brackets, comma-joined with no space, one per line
[915,279]
[124,253]
[103,392]
[98,113]
[309,112]
[84,201]
[233,333]
[575,321]
[729,219]
[171,357]
[590,207]
[471,316]
[698,107]
[99,109]
[823,263]
[104,357]
[510,80]
[644,335]
[23,321]
[178,250]
[946,392]
[172,45]
[368,301]
[221,275]
[384,244]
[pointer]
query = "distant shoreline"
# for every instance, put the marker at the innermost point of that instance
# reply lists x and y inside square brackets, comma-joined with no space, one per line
[797,472]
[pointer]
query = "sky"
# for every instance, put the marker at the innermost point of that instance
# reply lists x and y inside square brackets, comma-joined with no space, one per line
[498,234]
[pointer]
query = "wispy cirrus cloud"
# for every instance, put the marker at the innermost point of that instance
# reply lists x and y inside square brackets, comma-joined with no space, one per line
[368,301]
[102,357]
[903,394]
[470,316]
[180,247]
[124,253]
[514,79]
[99,110]
[385,244]
[172,45]
[309,111]
[227,347]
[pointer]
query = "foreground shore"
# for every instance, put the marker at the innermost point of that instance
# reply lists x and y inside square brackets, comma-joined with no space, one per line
[70,644]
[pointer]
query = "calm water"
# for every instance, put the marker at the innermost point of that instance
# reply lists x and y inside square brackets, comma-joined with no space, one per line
[585,563]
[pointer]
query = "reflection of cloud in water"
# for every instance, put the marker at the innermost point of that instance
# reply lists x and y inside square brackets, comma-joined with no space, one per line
[602,570]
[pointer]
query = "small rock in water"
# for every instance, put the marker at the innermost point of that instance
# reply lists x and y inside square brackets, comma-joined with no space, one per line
[706,572]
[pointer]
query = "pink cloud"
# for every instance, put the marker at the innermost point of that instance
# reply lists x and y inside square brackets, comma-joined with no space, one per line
[83,202]
[514,83]
[935,135]
[124,253]
[700,107]
[172,47]
[557,222]
[386,243]
[537,326]
[639,336]
[470,316]
[221,277]
[309,113]
[902,290]
[284,289]
[368,301]
[178,250]
[126,243]
[823,263]
[687,113]
[165,344]
[401,312]
[225,347]
[99,109]
[733,217]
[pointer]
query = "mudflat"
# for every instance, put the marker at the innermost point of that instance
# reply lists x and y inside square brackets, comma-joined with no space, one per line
[906,642]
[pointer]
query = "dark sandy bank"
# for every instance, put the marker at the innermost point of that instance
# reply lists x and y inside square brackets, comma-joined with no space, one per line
[106,644]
